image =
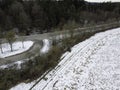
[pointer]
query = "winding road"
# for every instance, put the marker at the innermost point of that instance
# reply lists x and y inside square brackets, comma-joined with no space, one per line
[38,38]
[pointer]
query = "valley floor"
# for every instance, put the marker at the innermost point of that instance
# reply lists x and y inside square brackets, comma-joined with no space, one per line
[93,64]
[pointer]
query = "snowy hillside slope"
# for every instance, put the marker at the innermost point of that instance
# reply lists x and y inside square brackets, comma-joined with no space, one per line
[93,64]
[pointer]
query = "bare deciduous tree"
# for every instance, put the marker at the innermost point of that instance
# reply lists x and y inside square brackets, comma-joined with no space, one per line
[1,46]
[10,37]
[1,36]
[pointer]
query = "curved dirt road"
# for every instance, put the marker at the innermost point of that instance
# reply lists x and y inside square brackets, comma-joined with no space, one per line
[22,56]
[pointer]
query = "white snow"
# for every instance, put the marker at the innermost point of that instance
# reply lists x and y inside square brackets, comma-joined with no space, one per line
[17,48]
[17,64]
[46,46]
[93,64]
[24,86]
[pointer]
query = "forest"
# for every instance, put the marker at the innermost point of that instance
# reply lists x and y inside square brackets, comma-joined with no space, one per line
[25,16]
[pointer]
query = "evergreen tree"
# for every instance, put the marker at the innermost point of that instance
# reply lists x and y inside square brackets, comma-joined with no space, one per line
[8,23]
[24,21]
[38,17]
[2,18]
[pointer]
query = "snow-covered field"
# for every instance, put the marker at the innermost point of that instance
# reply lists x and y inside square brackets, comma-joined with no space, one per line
[17,48]
[93,64]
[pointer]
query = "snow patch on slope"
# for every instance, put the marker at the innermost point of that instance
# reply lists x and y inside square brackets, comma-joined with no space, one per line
[46,46]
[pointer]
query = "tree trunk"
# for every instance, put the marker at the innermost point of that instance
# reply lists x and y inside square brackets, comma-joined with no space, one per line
[1,49]
[23,44]
[11,47]
[71,33]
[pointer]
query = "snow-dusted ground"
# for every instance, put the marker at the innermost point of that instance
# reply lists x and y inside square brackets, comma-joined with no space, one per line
[17,48]
[46,46]
[16,65]
[93,64]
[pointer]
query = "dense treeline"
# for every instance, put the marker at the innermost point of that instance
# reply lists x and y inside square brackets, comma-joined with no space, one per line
[41,15]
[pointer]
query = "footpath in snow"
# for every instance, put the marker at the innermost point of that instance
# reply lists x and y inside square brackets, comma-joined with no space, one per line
[93,64]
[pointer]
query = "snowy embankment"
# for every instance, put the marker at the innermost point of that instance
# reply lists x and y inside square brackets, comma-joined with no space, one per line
[93,64]
[46,46]
[18,47]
